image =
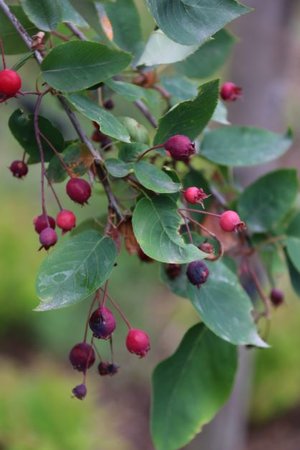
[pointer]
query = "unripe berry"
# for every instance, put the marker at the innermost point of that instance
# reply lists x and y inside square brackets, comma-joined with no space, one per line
[66,220]
[106,368]
[41,222]
[79,190]
[180,147]
[82,356]
[79,391]
[138,342]
[197,273]
[230,91]
[230,221]
[10,82]
[19,169]
[276,297]
[195,195]
[48,238]
[102,323]
[173,270]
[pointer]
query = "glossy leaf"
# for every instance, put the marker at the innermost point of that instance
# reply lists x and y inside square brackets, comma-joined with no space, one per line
[22,127]
[77,65]
[194,21]
[155,179]
[155,224]
[75,269]
[266,202]
[190,387]
[293,241]
[244,146]
[118,168]
[190,117]
[108,122]
[45,14]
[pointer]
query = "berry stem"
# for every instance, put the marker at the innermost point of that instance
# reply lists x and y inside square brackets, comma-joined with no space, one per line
[54,193]
[198,211]
[149,150]
[187,227]
[2,54]
[104,294]
[61,160]
[263,296]
[116,306]
[88,317]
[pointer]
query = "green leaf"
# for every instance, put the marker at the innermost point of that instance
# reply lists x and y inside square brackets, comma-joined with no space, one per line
[75,269]
[294,276]
[266,202]
[244,146]
[155,179]
[22,128]
[220,114]
[194,21]
[129,91]
[155,224]
[125,20]
[89,12]
[77,65]
[209,57]
[13,44]
[130,152]
[293,242]
[190,117]
[109,123]
[45,14]
[180,88]
[137,131]
[118,168]
[160,49]
[190,387]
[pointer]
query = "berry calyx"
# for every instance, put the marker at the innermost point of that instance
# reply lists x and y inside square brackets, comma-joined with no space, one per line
[107,368]
[276,297]
[79,190]
[10,83]
[66,220]
[80,391]
[138,342]
[82,356]
[41,222]
[195,195]
[19,169]
[173,270]
[180,147]
[102,323]
[48,238]
[197,273]
[230,221]
[230,91]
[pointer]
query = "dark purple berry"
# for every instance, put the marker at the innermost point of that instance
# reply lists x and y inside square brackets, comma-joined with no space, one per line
[79,190]
[19,169]
[107,368]
[197,272]
[109,104]
[276,297]
[41,222]
[79,391]
[48,238]
[173,270]
[102,323]
[180,147]
[82,356]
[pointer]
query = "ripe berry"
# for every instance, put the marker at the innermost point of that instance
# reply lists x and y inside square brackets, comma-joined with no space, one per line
[106,368]
[19,169]
[138,342]
[173,270]
[276,297]
[197,273]
[102,323]
[109,104]
[48,238]
[82,356]
[230,91]
[40,223]
[195,195]
[66,220]
[79,190]
[230,221]
[180,147]
[80,391]
[10,83]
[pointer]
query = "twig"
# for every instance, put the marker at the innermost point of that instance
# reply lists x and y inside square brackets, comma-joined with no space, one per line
[145,111]
[76,31]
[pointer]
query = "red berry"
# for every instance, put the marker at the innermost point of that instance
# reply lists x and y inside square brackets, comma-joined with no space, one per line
[79,391]
[197,273]
[79,190]
[19,169]
[195,195]
[173,270]
[276,297]
[10,83]
[48,238]
[138,342]
[41,222]
[180,147]
[230,91]
[66,220]
[82,356]
[230,221]
[102,323]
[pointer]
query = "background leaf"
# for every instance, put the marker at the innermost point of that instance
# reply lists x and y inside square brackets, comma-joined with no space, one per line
[155,179]
[293,242]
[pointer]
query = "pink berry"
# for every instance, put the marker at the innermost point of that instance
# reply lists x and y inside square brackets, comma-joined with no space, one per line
[79,190]
[230,91]
[82,356]
[195,195]
[138,342]
[10,83]
[41,222]
[48,238]
[19,169]
[180,147]
[230,221]
[102,323]
[66,220]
